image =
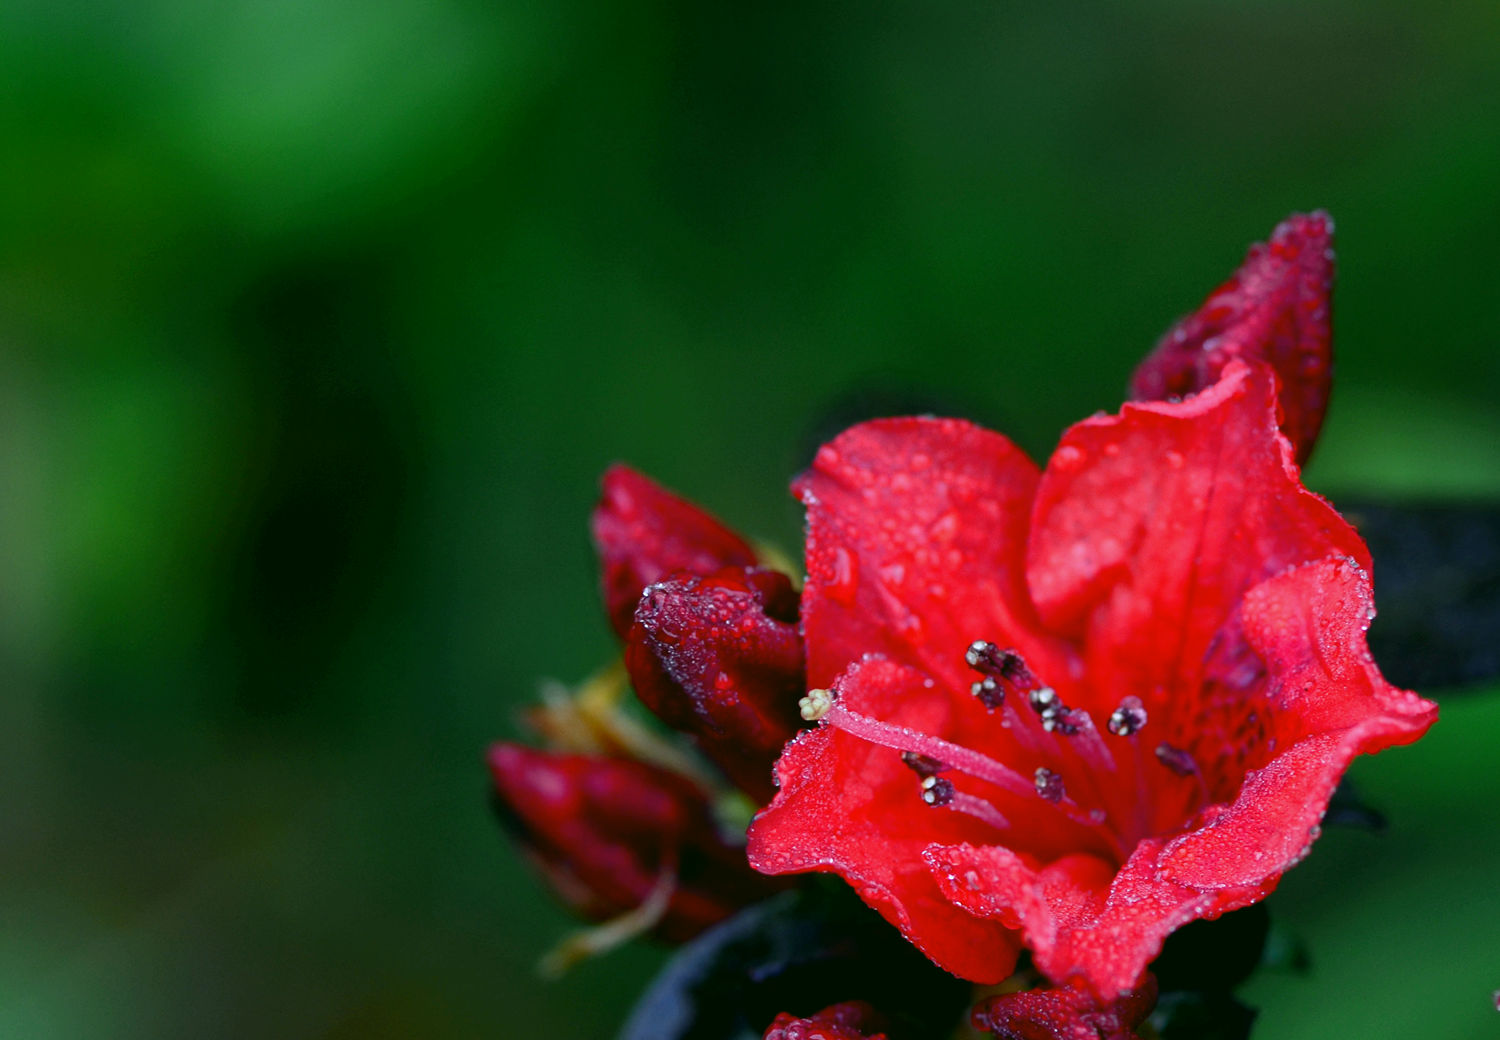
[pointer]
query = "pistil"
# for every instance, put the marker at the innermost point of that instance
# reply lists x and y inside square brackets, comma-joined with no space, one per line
[930,755]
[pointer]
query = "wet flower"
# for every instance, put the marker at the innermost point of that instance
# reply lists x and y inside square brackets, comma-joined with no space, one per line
[719,657]
[854,1020]
[644,532]
[1277,308]
[1075,709]
[622,821]
[623,840]
[1065,1013]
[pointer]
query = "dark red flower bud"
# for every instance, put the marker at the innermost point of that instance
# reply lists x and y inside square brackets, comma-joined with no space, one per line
[720,658]
[1276,308]
[605,831]
[1066,1013]
[643,532]
[852,1020]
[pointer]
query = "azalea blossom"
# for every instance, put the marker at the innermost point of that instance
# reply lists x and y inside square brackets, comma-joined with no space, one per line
[1278,308]
[1065,1013]
[1073,709]
[852,1020]
[620,821]
[615,836]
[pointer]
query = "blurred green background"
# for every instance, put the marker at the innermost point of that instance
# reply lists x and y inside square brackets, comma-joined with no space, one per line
[319,320]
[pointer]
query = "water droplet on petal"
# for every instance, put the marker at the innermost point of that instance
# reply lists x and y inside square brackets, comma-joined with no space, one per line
[844,582]
[1068,458]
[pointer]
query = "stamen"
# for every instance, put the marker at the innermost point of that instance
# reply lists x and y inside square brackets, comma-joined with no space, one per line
[989,692]
[902,738]
[941,794]
[1067,721]
[1006,678]
[816,704]
[1128,718]
[1044,699]
[979,809]
[1183,764]
[1049,785]
[937,791]
[923,765]
[1177,760]
[1090,745]
[1006,667]
[986,657]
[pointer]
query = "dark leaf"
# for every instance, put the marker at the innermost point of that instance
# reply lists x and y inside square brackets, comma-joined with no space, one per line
[798,952]
[1285,952]
[1437,581]
[1199,1016]
[1213,957]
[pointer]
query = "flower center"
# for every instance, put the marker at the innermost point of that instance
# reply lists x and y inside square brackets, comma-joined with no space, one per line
[1104,786]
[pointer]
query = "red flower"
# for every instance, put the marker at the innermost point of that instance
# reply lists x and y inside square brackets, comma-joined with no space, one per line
[1065,1013]
[626,831]
[712,645]
[719,657]
[644,532]
[849,1021]
[1126,687]
[613,835]
[1276,307]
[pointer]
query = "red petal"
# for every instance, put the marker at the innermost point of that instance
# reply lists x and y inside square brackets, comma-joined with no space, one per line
[851,808]
[643,532]
[1275,308]
[852,1020]
[1326,702]
[1082,921]
[915,529]
[710,657]
[1065,1014]
[603,830]
[1331,704]
[1150,527]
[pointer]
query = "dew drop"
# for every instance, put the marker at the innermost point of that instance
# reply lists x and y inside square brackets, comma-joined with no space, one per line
[1068,457]
[844,582]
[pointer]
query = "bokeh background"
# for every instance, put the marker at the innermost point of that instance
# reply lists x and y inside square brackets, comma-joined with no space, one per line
[318,321]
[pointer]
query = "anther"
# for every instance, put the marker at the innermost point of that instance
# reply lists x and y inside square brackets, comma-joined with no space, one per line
[1007,665]
[1177,760]
[1067,721]
[923,765]
[1044,700]
[936,791]
[989,693]
[1049,785]
[983,655]
[1128,718]
[816,704]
